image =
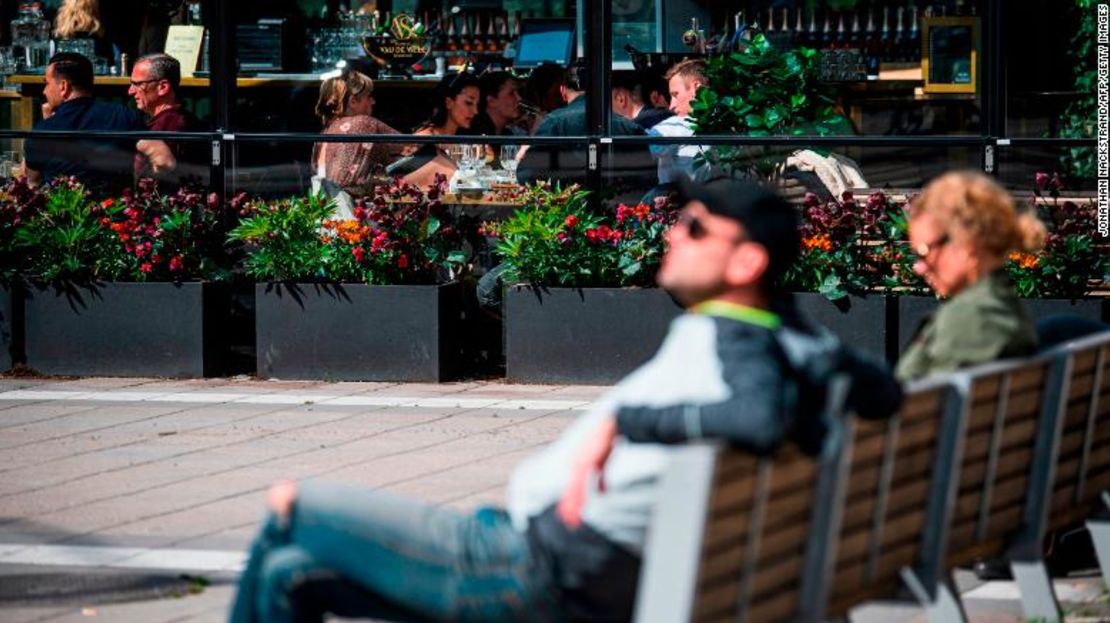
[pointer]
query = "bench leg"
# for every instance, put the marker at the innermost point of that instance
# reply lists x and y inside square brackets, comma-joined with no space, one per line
[942,604]
[1100,534]
[1038,599]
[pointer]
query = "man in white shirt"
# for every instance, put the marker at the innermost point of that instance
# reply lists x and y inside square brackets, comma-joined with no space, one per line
[674,161]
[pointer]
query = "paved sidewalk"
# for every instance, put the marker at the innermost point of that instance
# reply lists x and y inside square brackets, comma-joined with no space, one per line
[111,489]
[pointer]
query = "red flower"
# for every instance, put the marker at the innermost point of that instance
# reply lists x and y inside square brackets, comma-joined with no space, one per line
[571,222]
[591,235]
[105,221]
[604,232]
[140,251]
[146,267]
[403,261]
[360,213]
[1041,180]
[563,238]
[107,203]
[359,253]
[176,263]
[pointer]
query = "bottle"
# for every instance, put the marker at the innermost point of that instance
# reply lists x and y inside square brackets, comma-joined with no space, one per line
[478,44]
[503,32]
[884,37]
[799,30]
[913,41]
[32,33]
[855,39]
[872,47]
[827,32]
[492,44]
[841,34]
[812,38]
[452,36]
[465,44]
[899,44]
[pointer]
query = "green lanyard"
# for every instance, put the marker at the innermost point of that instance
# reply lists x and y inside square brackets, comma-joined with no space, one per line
[739,313]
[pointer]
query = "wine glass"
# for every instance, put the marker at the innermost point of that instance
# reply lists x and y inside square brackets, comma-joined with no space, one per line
[509,159]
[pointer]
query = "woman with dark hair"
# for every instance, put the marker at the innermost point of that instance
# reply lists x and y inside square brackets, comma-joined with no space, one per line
[456,105]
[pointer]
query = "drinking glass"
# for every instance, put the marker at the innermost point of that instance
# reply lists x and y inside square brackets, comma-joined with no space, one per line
[8,64]
[508,159]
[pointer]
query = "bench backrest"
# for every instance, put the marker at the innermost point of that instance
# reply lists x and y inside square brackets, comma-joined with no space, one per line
[1005,407]
[1083,454]
[892,463]
[970,460]
[731,539]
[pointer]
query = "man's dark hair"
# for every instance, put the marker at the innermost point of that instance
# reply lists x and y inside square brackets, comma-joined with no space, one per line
[630,83]
[766,217]
[577,75]
[163,67]
[74,68]
[490,85]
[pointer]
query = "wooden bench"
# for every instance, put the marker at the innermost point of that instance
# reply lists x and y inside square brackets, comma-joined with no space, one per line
[976,464]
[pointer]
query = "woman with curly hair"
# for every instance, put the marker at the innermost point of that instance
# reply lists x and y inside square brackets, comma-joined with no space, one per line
[963,227]
[345,106]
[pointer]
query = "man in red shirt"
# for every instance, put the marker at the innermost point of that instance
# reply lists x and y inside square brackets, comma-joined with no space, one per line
[154,82]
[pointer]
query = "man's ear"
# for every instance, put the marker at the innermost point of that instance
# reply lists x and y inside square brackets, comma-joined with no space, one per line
[563,92]
[747,265]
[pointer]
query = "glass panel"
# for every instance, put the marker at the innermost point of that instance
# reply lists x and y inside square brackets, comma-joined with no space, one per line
[824,171]
[129,30]
[1045,96]
[1069,169]
[867,62]
[406,48]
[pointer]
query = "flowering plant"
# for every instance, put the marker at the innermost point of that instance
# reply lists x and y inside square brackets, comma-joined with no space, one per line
[852,248]
[56,232]
[1072,261]
[18,201]
[166,237]
[402,236]
[554,239]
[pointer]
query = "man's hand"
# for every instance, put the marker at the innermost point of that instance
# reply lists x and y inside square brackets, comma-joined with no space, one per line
[592,459]
[47,110]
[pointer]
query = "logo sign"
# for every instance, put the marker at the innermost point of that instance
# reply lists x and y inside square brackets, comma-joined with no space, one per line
[403,43]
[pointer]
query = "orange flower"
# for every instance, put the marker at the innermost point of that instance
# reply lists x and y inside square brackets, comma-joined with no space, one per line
[821,242]
[1025,260]
[351,232]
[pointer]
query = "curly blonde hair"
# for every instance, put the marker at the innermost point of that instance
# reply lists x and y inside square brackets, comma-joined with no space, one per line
[972,206]
[336,93]
[78,17]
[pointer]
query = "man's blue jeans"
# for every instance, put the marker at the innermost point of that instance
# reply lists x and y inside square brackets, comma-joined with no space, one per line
[365,553]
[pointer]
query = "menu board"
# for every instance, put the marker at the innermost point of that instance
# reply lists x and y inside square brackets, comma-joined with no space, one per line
[184,43]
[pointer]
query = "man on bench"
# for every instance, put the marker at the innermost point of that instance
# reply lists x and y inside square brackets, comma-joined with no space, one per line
[568,546]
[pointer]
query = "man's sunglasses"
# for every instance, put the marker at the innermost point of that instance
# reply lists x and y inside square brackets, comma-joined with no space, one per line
[697,230]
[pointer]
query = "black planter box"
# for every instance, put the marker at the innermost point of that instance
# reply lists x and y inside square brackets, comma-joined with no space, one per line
[861,322]
[9,327]
[127,329]
[357,332]
[590,336]
[912,310]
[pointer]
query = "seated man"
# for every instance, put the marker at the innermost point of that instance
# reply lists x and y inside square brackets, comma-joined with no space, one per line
[679,161]
[102,165]
[730,369]
[628,102]
[624,166]
[154,83]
